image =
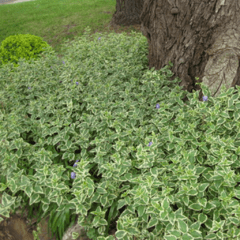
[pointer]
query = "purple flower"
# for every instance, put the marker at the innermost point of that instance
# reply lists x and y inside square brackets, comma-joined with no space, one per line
[74,165]
[150,144]
[73,174]
[205,98]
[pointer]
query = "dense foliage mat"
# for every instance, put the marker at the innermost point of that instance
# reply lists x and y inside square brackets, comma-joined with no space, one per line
[102,137]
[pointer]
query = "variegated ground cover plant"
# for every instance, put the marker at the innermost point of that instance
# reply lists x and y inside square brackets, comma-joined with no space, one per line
[103,138]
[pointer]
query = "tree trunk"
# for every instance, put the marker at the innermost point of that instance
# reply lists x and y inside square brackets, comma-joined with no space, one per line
[201,39]
[127,12]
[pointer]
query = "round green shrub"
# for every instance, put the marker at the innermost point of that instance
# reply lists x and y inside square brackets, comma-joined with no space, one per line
[25,46]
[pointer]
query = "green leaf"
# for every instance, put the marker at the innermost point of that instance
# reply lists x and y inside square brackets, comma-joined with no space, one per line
[141,210]
[38,189]
[12,185]
[195,207]
[56,219]
[186,236]
[185,200]
[192,192]
[61,226]
[170,237]
[152,222]
[2,187]
[195,234]
[165,204]
[59,200]
[7,201]
[120,234]
[202,187]
[75,235]
[234,220]
[211,236]
[202,218]
[103,200]
[121,203]
[196,225]
[34,198]
[182,226]
[101,188]
[175,233]
[45,207]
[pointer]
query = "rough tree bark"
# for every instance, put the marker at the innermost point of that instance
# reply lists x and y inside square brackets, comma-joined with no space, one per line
[201,39]
[127,12]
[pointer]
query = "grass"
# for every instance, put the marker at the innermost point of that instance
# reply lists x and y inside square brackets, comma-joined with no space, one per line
[59,20]
[92,131]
